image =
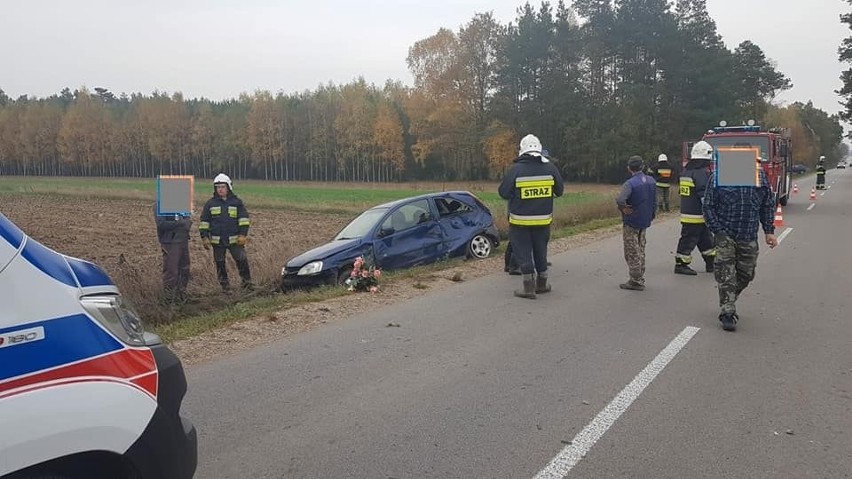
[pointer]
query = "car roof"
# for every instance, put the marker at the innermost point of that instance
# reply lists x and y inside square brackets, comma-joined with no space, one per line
[400,201]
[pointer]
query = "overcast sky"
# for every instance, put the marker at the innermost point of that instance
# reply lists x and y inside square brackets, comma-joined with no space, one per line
[220,48]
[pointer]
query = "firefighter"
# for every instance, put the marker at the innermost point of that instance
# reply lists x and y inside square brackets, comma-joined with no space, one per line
[662,173]
[224,226]
[820,173]
[530,186]
[693,183]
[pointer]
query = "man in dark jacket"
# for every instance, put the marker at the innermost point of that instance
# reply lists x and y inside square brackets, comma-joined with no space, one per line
[733,214]
[820,173]
[173,234]
[637,203]
[663,174]
[530,186]
[693,184]
[224,226]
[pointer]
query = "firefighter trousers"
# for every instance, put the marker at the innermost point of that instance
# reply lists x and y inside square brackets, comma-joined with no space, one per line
[529,247]
[692,235]
[240,258]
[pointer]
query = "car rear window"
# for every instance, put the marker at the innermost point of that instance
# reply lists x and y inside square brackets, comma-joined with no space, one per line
[451,206]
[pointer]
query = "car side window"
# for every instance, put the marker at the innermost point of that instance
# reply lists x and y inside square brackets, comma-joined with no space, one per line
[408,216]
[450,206]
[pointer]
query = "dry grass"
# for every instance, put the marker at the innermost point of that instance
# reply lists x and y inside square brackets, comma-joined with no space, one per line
[117,232]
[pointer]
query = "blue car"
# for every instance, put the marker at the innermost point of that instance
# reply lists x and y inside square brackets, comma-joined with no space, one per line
[397,235]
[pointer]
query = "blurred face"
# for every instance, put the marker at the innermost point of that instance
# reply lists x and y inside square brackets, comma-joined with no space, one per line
[222,190]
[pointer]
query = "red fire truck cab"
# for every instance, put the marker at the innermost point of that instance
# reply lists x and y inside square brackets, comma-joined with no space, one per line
[776,151]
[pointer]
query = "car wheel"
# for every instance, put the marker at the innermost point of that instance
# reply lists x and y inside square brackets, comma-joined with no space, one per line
[783,201]
[343,275]
[480,247]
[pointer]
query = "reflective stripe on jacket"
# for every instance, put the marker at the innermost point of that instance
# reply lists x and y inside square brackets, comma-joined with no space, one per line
[693,183]
[530,186]
[663,174]
[223,220]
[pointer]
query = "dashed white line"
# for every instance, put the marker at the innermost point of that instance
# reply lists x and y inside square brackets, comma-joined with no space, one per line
[784,235]
[811,206]
[571,454]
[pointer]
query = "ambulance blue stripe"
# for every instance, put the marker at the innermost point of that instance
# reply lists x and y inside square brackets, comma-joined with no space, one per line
[66,340]
[48,261]
[11,233]
[89,274]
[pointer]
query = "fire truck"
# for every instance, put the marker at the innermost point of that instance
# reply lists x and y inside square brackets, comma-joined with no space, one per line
[776,151]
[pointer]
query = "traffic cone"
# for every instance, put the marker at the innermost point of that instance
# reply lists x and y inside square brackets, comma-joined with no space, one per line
[779,217]
[795,188]
[813,194]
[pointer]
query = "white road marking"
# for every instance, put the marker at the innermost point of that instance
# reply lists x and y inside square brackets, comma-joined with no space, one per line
[784,235]
[571,454]
[811,206]
[822,194]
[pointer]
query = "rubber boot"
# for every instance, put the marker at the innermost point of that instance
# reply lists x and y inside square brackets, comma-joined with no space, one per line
[541,285]
[683,268]
[709,263]
[529,288]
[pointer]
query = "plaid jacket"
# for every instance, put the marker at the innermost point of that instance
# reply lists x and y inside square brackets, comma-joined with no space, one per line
[736,210]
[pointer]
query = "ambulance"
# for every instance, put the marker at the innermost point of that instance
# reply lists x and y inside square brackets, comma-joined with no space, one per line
[85,392]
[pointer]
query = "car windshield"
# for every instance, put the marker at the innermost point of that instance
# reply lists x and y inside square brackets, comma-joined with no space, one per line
[742,142]
[362,225]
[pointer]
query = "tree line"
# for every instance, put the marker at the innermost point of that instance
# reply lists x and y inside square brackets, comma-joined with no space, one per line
[597,81]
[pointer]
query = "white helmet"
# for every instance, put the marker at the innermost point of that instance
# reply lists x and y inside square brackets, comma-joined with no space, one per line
[702,151]
[821,158]
[530,146]
[662,157]
[223,178]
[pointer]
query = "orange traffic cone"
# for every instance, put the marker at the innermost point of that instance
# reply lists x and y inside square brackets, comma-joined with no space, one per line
[779,217]
[795,188]
[813,194]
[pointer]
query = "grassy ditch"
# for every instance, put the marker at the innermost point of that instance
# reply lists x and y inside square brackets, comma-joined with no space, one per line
[109,221]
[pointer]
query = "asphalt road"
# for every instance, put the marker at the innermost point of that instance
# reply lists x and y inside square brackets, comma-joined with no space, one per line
[595,381]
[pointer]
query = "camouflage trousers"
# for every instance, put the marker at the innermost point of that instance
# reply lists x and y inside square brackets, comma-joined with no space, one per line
[734,269]
[634,253]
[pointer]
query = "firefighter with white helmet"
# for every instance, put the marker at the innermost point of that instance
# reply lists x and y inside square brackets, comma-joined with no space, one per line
[530,186]
[663,174]
[694,181]
[820,173]
[224,227]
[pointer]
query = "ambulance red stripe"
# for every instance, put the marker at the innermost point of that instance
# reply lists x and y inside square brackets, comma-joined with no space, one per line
[124,364]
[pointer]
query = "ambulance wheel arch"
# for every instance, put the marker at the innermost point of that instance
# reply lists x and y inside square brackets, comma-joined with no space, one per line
[73,441]
[80,466]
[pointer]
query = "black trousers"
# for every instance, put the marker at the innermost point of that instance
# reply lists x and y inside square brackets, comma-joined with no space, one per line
[240,258]
[529,247]
[692,235]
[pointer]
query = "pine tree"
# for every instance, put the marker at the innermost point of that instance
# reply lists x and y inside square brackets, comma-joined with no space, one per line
[845,53]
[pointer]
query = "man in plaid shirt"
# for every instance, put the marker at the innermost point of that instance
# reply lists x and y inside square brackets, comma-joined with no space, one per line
[732,214]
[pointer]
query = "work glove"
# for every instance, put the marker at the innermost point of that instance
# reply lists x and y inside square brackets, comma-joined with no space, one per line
[205,242]
[242,240]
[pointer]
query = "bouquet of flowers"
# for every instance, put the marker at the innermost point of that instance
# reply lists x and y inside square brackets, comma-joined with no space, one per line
[364,276]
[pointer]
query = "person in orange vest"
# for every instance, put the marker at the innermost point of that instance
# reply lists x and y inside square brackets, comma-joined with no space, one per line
[663,174]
